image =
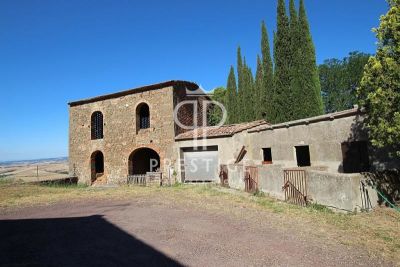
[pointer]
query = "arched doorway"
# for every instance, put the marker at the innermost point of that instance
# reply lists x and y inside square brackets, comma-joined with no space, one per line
[143,160]
[96,165]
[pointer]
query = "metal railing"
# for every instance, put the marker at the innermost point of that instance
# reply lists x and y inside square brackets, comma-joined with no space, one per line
[138,179]
[295,186]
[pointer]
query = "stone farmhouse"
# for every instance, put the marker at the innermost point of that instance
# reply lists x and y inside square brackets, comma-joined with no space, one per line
[159,131]
[116,135]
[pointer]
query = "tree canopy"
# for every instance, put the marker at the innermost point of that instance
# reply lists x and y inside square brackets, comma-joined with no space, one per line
[286,86]
[340,79]
[379,92]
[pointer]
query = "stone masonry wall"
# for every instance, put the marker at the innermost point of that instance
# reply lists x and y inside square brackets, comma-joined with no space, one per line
[121,137]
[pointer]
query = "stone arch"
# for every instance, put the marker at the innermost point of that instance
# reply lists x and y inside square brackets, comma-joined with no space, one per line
[143,160]
[96,165]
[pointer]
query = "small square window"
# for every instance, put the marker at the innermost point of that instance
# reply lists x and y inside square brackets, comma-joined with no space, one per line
[267,155]
[303,156]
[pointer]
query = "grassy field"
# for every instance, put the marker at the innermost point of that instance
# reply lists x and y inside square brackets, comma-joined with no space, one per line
[34,172]
[378,232]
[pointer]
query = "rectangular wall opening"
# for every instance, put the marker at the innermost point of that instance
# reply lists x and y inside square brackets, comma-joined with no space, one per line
[267,155]
[303,156]
[355,157]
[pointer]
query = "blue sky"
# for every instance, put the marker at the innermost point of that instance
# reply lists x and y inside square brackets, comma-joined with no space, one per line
[52,52]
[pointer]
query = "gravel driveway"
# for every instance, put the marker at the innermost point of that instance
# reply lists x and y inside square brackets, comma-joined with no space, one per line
[158,232]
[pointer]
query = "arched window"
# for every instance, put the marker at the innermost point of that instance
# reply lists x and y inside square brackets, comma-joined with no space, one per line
[97,125]
[143,116]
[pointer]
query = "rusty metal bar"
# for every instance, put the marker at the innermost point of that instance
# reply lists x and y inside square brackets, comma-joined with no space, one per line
[295,186]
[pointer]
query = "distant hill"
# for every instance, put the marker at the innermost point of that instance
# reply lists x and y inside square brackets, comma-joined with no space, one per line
[33,161]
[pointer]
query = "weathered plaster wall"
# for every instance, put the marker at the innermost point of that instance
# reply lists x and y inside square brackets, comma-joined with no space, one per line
[341,191]
[270,179]
[236,176]
[121,137]
[324,139]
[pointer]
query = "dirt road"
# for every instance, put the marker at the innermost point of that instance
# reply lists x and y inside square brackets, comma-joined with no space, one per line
[151,231]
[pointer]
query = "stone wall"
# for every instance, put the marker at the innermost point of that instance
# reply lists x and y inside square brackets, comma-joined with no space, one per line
[344,192]
[270,179]
[341,192]
[121,136]
[236,176]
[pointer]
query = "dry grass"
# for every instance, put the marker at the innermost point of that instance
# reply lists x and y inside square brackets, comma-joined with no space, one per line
[378,232]
[35,172]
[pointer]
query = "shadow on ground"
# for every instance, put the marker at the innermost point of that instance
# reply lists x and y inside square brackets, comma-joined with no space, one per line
[81,241]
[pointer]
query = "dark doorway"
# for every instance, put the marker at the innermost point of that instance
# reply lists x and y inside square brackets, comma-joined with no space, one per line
[267,155]
[355,157]
[143,160]
[303,156]
[97,165]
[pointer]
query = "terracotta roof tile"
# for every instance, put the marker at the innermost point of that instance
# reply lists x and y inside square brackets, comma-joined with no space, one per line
[329,116]
[218,131]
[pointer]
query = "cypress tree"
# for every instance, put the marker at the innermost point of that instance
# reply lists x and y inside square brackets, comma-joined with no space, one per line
[260,99]
[231,97]
[282,55]
[251,93]
[247,94]
[311,100]
[239,102]
[266,86]
[295,65]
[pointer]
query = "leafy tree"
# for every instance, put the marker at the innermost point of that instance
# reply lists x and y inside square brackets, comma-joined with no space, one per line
[340,79]
[215,112]
[231,97]
[265,86]
[282,56]
[379,91]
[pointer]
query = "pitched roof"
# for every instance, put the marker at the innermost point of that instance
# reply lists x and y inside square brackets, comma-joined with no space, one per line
[189,85]
[325,117]
[218,131]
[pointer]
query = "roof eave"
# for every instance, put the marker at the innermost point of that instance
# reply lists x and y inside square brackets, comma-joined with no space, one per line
[131,91]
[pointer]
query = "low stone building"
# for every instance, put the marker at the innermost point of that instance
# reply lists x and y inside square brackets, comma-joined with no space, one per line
[318,159]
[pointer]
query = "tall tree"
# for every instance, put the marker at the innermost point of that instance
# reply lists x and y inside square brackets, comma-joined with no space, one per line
[231,97]
[239,103]
[265,87]
[282,55]
[248,94]
[260,93]
[379,91]
[340,79]
[295,64]
[311,102]
[214,112]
